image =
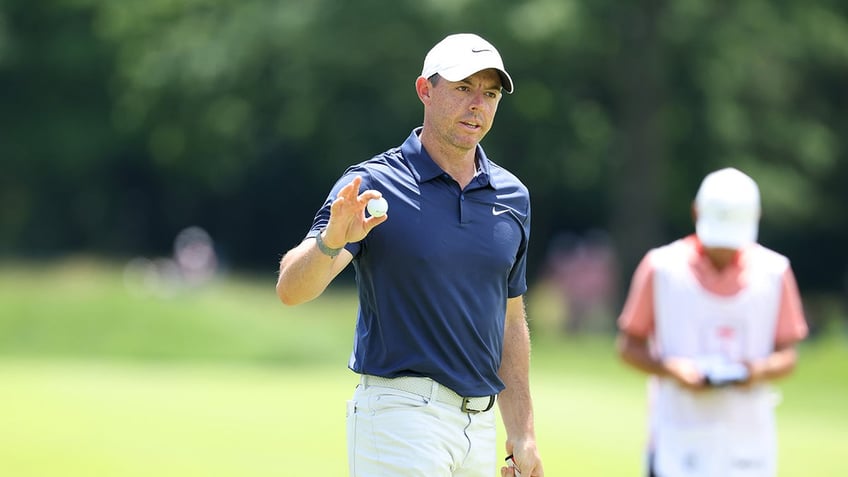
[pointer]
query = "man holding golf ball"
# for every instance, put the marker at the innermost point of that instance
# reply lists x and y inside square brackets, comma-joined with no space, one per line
[438,237]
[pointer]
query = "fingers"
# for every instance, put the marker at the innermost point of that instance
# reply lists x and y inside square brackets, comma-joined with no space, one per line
[509,470]
[527,463]
[350,201]
[350,195]
[351,190]
[372,221]
[366,197]
[686,372]
[348,221]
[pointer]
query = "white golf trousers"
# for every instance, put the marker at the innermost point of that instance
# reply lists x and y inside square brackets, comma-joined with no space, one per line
[393,433]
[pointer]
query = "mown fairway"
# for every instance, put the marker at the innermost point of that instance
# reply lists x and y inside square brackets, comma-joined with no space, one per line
[224,381]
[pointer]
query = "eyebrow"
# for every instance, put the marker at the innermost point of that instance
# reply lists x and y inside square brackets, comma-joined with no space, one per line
[494,86]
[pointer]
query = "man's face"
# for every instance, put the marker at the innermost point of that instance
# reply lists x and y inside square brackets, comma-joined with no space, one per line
[462,112]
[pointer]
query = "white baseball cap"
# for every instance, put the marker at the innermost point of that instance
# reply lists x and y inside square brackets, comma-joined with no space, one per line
[461,55]
[728,209]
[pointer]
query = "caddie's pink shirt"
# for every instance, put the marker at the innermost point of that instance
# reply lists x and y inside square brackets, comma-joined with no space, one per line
[637,317]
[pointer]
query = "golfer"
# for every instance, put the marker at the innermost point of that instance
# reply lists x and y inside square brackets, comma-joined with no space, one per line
[441,334]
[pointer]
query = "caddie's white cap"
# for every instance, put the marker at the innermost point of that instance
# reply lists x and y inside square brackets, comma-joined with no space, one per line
[728,209]
[461,55]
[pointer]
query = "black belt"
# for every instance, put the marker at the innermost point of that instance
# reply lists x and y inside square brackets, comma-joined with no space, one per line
[430,389]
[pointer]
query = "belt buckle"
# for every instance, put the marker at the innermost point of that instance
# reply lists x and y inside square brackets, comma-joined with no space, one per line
[467,400]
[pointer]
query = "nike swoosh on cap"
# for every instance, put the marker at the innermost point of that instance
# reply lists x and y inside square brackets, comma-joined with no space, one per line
[480,50]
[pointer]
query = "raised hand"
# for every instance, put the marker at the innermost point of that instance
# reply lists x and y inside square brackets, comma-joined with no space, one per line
[348,222]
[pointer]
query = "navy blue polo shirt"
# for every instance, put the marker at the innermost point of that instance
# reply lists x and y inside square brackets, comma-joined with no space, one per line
[434,278]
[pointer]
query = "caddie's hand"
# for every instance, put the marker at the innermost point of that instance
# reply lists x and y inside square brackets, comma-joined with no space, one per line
[685,372]
[755,375]
[347,215]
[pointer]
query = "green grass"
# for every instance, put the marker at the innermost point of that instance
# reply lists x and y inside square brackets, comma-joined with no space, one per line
[107,419]
[225,381]
[81,308]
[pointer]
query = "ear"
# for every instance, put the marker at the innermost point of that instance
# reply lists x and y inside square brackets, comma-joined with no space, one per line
[694,212]
[423,87]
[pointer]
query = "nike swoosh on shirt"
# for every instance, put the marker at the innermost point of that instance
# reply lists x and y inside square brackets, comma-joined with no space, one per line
[498,212]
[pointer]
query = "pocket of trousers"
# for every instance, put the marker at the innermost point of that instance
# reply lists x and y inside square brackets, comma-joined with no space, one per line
[392,400]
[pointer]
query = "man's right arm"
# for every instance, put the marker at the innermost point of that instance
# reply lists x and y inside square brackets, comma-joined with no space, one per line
[305,272]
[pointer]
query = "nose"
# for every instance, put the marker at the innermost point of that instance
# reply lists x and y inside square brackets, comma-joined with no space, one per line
[476,101]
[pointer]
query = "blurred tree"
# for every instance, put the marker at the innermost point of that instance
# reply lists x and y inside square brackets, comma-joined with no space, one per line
[124,122]
[753,87]
[54,128]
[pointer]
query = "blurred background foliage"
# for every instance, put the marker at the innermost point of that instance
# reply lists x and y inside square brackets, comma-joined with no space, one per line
[124,122]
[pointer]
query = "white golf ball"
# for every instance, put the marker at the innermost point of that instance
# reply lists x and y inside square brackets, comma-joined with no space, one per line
[378,207]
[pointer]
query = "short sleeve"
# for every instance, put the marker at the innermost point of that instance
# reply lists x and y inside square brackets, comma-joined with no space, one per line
[637,316]
[791,324]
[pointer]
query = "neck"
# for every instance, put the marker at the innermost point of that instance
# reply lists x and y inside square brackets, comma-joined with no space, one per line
[720,257]
[459,163]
